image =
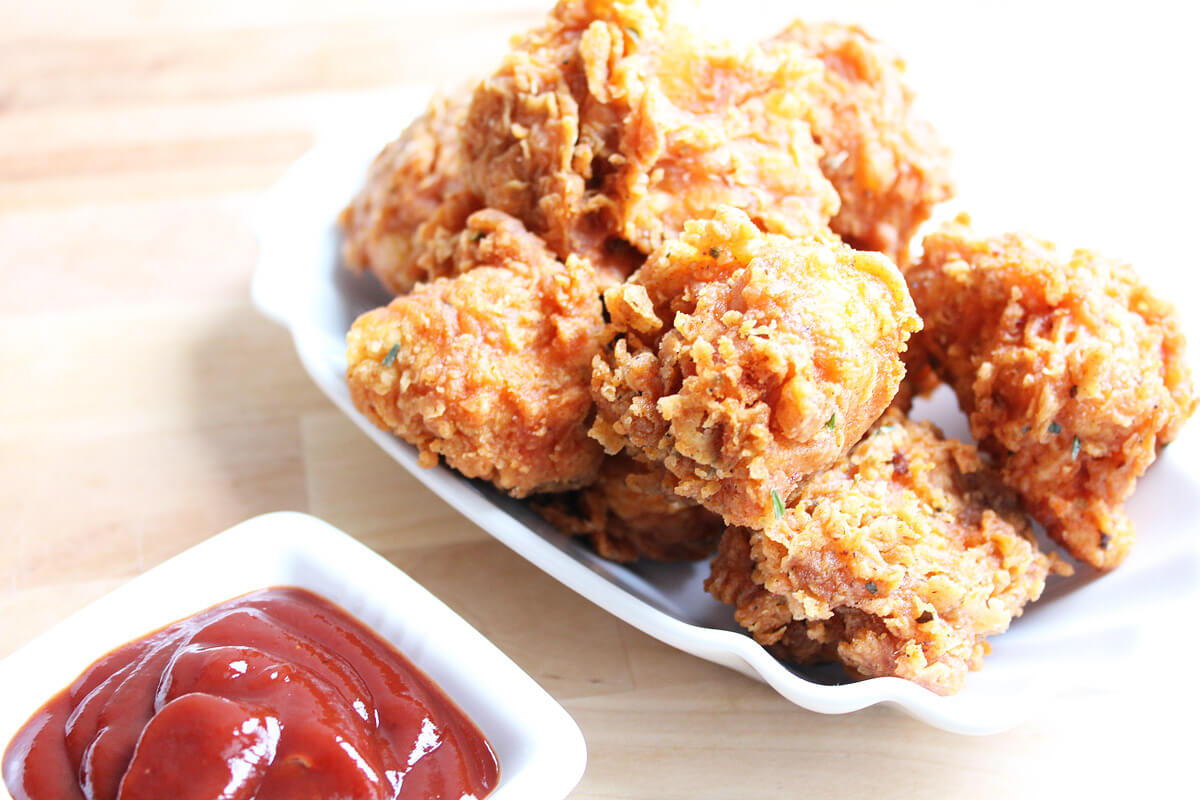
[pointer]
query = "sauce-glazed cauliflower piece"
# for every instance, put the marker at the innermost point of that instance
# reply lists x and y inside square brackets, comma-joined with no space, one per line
[1072,374]
[746,361]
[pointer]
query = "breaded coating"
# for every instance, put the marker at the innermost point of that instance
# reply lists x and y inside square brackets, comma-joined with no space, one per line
[1071,371]
[605,130]
[763,614]
[746,361]
[489,369]
[631,512]
[403,224]
[900,559]
[903,400]
[888,167]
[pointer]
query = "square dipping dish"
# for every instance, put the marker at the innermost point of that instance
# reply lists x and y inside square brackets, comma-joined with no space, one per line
[539,747]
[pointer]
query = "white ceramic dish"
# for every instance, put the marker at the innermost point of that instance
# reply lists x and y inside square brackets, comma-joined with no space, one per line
[1083,631]
[540,748]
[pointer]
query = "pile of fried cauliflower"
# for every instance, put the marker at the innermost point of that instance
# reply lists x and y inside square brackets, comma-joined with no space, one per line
[662,287]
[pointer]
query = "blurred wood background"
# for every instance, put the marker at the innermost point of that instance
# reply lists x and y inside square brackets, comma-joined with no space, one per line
[146,405]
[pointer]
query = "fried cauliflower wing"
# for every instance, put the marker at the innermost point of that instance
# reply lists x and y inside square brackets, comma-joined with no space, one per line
[489,369]
[1071,371]
[888,167]
[403,224]
[899,560]
[606,129]
[631,512]
[746,361]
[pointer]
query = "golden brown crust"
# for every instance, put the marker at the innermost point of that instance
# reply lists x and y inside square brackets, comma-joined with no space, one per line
[902,557]
[888,167]
[763,614]
[903,399]
[631,512]
[1071,371]
[488,369]
[606,128]
[747,361]
[403,224]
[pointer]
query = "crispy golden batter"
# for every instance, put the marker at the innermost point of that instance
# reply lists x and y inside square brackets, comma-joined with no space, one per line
[747,361]
[403,224]
[763,614]
[606,128]
[903,400]
[1072,373]
[488,369]
[888,167]
[900,558]
[631,512]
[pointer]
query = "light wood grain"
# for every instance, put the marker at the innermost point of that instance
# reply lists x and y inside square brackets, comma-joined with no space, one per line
[146,405]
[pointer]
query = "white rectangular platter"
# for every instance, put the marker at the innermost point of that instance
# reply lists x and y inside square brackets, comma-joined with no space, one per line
[1082,632]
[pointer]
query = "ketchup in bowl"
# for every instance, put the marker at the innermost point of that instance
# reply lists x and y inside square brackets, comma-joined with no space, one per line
[276,695]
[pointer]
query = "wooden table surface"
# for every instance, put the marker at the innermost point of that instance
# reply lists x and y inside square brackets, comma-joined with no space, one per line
[146,405]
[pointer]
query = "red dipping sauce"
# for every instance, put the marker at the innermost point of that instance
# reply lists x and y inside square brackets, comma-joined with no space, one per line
[277,695]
